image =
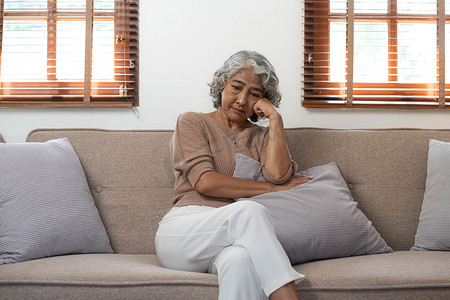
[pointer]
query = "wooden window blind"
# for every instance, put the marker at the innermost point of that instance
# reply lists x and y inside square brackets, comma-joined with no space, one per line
[376,53]
[65,53]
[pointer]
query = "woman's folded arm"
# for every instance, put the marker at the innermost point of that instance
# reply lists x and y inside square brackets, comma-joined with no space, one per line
[213,184]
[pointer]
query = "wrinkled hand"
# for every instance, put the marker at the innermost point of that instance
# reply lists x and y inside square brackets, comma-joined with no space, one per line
[265,108]
[293,182]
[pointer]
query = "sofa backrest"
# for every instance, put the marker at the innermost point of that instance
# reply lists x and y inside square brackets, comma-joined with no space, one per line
[385,170]
[131,177]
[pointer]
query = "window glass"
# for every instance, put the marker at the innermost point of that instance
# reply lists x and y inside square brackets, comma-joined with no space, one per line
[24,50]
[25,4]
[361,6]
[337,51]
[70,50]
[447,53]
[71,4]
[371,6]
[104,4]
[371,55]
[338,6]
[81,4]
[416,7]
[103,50]
[416,52]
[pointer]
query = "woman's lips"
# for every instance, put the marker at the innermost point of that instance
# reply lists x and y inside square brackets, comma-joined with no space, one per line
[238,111]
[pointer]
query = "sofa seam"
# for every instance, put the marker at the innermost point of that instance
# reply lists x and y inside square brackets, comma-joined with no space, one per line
[374,288]
[121,284]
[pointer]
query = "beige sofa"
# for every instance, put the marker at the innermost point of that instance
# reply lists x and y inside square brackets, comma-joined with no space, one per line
[131,178]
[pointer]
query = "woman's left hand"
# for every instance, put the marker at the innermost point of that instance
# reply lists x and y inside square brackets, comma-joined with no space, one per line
[264,108]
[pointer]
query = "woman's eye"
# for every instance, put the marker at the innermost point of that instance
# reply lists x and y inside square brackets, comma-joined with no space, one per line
[256,96]
[236,88]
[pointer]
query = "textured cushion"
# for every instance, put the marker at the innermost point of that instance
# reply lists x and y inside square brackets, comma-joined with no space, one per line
[103,276]
[318,219]
[46,207]
[393,276]
[433,232]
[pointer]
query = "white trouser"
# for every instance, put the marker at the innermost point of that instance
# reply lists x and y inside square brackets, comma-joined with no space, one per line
[236,241]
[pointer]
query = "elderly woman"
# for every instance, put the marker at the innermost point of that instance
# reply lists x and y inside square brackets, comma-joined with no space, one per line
[206,230]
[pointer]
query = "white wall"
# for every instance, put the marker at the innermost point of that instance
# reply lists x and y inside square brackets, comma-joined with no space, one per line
[184,42]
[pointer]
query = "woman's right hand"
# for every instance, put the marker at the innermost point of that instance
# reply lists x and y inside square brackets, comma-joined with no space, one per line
[296,180]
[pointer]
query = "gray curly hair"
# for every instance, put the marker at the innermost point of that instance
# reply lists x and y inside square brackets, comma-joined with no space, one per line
[241,60]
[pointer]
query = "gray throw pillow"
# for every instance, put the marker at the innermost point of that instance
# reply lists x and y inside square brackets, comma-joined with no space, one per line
[46,207]
[318,219]
[433,232]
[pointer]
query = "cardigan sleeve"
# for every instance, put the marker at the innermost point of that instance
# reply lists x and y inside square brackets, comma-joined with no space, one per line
[190,148]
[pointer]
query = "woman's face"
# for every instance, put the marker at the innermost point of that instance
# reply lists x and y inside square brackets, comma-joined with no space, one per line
[240,94]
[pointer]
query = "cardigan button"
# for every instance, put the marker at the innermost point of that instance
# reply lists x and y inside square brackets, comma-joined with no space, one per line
[98,189]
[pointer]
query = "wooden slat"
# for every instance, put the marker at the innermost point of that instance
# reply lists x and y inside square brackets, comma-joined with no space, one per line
[48,104]
[441,49]
[379,105]
[350,49]
[88,52]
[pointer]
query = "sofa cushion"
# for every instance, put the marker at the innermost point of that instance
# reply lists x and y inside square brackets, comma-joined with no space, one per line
[397,275]
[103,276]
[318,219]
[46,207]
[433,232]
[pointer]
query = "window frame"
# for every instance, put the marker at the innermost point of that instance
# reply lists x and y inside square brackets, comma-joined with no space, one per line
[319,91]
[85,92]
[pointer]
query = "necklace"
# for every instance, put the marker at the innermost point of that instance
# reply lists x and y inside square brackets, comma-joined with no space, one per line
[233,139]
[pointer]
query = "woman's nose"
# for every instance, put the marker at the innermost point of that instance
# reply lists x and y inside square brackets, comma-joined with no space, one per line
[242,99]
